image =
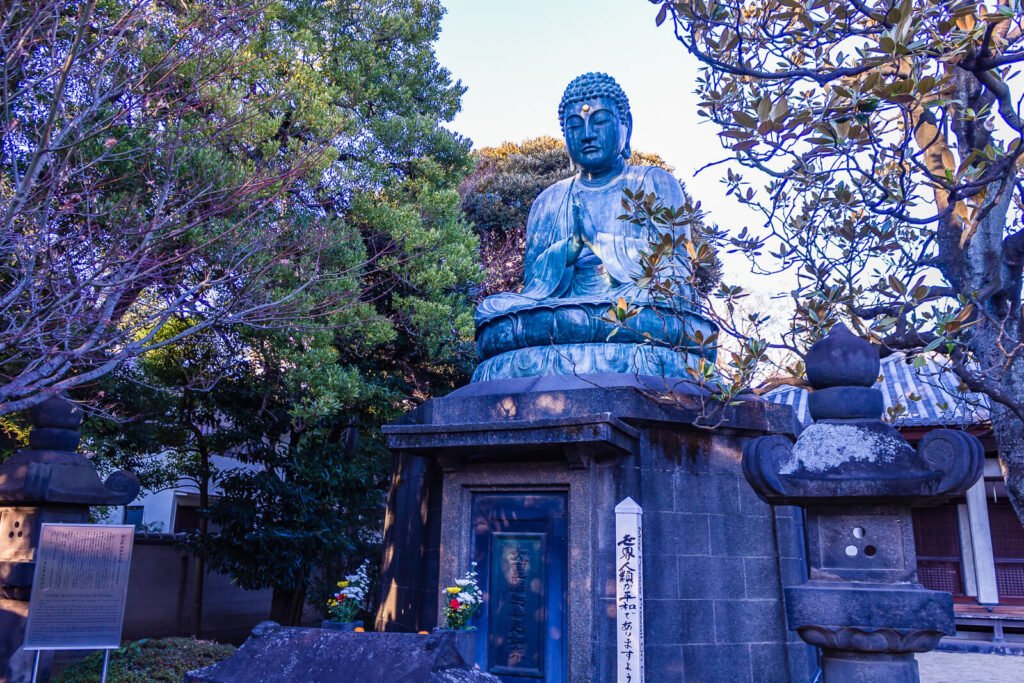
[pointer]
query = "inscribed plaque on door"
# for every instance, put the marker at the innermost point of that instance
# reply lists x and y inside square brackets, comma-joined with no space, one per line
[518,594]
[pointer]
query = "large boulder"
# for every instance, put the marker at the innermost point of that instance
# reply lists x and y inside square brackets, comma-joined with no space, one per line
[277,654]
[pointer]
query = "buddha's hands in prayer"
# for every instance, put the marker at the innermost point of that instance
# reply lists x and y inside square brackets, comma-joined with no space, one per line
[583,231]
[576,238]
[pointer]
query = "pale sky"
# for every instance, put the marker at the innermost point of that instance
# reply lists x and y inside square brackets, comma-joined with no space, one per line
[516,57]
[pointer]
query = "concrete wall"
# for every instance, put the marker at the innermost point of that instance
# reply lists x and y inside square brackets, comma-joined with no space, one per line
[160,596]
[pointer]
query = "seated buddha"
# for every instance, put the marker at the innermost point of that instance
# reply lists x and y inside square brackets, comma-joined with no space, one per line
[581,258]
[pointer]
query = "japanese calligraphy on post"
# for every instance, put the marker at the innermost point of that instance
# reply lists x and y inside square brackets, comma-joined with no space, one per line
[81,580]
[629,591]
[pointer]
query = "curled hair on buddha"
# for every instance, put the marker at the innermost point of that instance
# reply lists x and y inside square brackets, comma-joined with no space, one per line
[591,85]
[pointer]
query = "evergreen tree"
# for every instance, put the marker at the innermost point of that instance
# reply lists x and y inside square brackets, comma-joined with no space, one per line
[301,404]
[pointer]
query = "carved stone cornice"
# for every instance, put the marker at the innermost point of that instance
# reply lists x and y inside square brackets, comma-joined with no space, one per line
[881,640]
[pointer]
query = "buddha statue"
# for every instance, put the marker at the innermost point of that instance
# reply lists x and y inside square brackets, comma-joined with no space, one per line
[581,258]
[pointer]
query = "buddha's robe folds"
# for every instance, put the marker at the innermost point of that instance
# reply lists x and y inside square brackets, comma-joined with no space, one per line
[608,263]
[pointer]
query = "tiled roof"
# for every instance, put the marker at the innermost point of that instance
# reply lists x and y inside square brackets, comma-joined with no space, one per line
[939,401]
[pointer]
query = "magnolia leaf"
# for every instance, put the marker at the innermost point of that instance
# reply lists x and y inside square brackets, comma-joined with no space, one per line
[966,22]
[662,13]
[744,119]
[764,107]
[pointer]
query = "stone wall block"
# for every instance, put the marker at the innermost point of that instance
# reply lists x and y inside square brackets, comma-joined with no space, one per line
[663,622]
[704,492]
[661,578]
[665,663]
[722,664]
[761,578]
[747,621]
[709,578]
[658,490]
[790,532]
[698,620]
[676,533]
[741,536]
[770,659]
[749,502]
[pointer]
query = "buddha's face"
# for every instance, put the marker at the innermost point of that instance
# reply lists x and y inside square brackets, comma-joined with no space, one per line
[595,134]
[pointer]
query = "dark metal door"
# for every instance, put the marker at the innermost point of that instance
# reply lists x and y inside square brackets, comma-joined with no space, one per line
[519,545]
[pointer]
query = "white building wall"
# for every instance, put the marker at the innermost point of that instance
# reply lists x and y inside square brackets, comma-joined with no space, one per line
[158,507]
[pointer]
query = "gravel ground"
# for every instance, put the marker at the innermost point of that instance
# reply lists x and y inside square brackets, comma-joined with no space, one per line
[955,667]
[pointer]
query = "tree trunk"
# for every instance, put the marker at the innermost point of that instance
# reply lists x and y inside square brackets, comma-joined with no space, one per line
[980,269]
[1008,378]
[199,585]
[286,605]
[198,588]
[1009,433]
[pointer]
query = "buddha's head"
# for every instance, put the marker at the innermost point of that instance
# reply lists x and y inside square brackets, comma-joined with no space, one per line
[595,118]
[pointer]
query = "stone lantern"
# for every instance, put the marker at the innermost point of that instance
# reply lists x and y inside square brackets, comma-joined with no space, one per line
[857,479]
[46,482]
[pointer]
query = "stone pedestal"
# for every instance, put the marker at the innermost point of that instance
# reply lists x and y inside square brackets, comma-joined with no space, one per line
[46,483]
[540,463]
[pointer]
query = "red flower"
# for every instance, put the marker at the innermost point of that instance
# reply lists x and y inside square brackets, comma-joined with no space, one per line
[454,604]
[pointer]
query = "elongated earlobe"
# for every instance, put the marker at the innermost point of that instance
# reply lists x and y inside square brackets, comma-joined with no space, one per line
[626,151]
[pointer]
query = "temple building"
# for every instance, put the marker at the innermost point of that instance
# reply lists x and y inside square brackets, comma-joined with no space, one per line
[972,547]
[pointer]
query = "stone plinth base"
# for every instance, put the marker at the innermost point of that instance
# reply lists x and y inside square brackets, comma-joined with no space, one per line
[17,662]
[855,667]
[567,450]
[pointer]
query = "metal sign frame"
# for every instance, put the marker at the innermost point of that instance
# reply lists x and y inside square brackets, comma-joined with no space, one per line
[90,562]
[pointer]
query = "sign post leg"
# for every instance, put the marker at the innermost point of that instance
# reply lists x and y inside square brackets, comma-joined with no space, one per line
[106,663]
[35,667]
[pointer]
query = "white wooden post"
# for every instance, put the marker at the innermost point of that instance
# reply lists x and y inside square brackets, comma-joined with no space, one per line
[981,539]
[967,551]
[629,592]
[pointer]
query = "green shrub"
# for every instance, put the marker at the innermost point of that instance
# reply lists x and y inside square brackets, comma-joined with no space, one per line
[148,661]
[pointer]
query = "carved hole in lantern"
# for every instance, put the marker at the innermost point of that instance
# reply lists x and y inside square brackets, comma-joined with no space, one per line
[851,550]
[858,532]
[870,550]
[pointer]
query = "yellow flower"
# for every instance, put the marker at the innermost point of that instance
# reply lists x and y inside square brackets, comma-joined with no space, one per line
[454,589]
[343,584]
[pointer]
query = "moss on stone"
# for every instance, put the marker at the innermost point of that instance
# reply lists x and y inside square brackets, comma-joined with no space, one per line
[148,661]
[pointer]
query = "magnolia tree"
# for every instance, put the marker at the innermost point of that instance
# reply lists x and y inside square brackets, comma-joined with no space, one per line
[881,142]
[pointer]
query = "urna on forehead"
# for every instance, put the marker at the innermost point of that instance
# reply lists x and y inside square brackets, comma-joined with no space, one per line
[591,85]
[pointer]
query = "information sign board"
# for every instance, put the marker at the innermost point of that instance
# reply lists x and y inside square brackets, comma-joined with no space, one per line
[79,587]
